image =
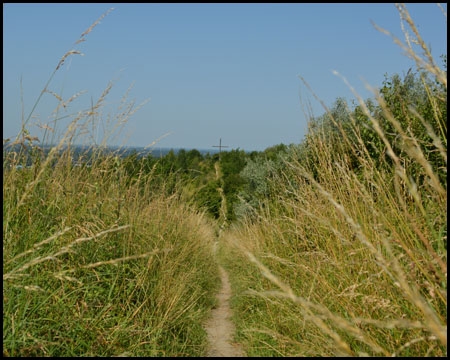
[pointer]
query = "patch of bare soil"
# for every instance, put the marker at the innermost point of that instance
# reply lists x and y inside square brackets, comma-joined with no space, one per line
[219,327]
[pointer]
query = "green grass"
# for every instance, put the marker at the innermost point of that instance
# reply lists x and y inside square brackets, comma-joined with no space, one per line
[96,263]
[104,261]
[93,266]
[341,263]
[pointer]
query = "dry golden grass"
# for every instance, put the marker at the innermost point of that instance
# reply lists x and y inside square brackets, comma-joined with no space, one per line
[97,262]
[355,263]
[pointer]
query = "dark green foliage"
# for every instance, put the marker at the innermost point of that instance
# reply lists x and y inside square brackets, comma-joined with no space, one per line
[408,100]
[412,101]
[419,92]
[232,162]
[273,152]
[245,177]
[209,198]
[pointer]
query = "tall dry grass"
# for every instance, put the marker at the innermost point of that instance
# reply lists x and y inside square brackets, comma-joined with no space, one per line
[96,263]
[341,263]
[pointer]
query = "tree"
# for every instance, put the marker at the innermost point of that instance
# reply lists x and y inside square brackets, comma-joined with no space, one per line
[209,198]
[231,163]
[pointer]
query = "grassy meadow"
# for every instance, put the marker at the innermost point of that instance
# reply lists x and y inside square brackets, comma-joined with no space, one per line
[96,266]
[96,263]
[349,255]
[339,248]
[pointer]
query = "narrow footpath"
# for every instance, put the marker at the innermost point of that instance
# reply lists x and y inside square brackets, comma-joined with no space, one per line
[219,326]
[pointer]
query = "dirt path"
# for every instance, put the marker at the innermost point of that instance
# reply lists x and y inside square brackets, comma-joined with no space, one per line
[219,327]
[223,203]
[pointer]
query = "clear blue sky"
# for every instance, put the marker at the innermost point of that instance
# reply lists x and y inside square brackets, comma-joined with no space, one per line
[209,71]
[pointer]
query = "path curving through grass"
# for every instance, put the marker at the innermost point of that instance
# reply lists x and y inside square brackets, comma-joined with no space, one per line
[219,327]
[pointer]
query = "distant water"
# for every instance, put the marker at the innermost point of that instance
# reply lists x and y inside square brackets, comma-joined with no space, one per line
[85,151]
[162,151]
[156,151]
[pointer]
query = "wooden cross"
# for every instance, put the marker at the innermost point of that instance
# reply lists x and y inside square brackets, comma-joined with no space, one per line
[220,146]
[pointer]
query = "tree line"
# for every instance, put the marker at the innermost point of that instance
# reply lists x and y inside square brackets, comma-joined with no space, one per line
[245,175]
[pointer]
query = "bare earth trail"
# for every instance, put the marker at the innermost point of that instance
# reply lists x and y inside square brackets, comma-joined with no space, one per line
[219,327]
